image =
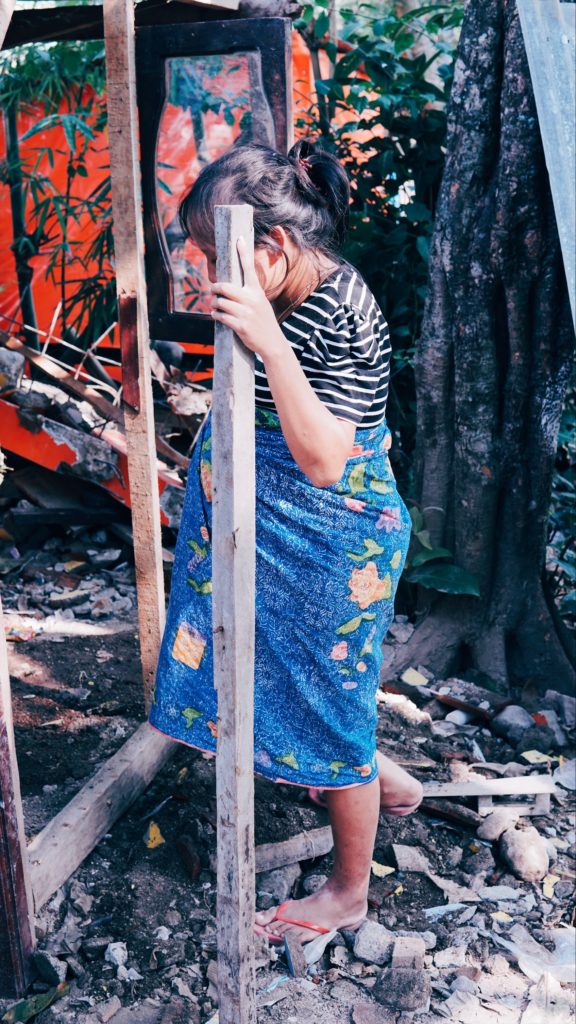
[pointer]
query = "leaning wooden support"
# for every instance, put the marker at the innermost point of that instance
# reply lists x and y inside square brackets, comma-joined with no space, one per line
[16,909]
[133,321]
[71,835]
[233,585]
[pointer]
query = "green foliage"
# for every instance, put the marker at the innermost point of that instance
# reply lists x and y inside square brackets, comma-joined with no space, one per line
[62,85]
[433,567]
[383,112]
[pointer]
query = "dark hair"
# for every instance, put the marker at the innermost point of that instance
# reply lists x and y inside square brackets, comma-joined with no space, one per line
[306,192]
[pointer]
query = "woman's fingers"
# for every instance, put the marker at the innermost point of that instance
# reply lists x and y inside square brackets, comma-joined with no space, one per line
[229,291]
[226,306]
[247,264]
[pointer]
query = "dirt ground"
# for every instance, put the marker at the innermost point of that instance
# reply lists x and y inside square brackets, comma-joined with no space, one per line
[77,696]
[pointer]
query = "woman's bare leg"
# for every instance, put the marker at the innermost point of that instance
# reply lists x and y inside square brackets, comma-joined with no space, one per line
[397,787]
[342,901]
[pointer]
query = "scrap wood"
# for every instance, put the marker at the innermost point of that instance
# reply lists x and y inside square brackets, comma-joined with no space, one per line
[78,389]
[466,696]
[102,459]
[451,811]
[304,846]
[518,785]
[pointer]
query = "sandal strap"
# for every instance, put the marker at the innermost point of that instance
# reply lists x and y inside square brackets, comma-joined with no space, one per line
[299,924]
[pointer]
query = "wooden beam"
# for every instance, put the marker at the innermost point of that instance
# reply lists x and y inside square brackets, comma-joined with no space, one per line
[233,586]
[549,31]
[305,846]
[6,11]
[524,785]
[84,392]
[73,833]
[133,321]
[17,937]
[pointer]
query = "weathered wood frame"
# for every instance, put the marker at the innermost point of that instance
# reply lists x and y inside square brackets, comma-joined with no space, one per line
[29,876]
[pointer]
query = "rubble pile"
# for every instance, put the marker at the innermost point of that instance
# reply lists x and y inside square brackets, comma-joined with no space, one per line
[470,905]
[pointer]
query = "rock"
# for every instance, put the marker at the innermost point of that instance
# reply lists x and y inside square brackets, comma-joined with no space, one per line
[311,883]
[459,717]
[463,1006]
[494,893]
[498,965]
[67,599]
[407,988]
[453,956]
[463,984]
[512,722]
[514,769]
[373,943]
[180,987]
[279,882]
[105,1011]
[428,938]
[553,723]
[564,705]
[95,946]
[443,729]
[408,951]
[524,851]
[496,823]
[538,737]
[479,863]
[116,953]
[49,967]
[367,1013]
[565,775]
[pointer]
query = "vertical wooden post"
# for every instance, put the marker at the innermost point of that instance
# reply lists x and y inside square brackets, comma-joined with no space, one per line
[17,938]
[233,586]
[133,322]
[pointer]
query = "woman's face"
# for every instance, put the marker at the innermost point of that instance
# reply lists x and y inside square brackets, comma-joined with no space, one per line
[271,263]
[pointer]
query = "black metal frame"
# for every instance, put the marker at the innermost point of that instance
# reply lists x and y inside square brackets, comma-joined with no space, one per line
[271,37]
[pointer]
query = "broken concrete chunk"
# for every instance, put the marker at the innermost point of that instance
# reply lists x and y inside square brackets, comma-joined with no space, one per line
[512,722]
[524,851]
[408,951]
[452,956]
[373,943]
[565,705]
[49,967]
[279,882]
[407,988]
[107,1010]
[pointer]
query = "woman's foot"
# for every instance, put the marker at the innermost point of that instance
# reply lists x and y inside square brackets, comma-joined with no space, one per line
[328,908]
[400,793]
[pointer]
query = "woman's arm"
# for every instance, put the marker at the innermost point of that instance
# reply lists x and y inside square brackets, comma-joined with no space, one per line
[320,442]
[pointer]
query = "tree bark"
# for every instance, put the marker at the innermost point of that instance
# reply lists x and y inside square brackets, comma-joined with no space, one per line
[492,367]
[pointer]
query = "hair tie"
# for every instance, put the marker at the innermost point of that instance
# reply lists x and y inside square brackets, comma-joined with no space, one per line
[305,163]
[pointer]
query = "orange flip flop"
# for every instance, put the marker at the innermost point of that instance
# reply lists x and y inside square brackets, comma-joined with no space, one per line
[280,916]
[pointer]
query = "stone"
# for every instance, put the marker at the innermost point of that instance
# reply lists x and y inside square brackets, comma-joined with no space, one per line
[428,938]
[116,953]
[408,951]
[407,988]
[67,599]
[373,943]
[538,737]
[512,722]
[495,893]
[464,1007]
[459,717]
[463,984]
[553,723]
[452,956]
[565,705]
[279,882]
[495,823]
[105,1011]
[367,1013]
[180,987]
[479,863]
[524,851]
[49,967]
[311,883]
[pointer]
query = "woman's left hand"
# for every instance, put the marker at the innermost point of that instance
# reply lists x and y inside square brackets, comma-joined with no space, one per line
[246,310]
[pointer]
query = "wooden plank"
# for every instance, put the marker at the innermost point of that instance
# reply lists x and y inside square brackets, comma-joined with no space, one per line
[530,784]
[549,31]
[17,937]
[133,321]
[73,833]
[233,586]
[304,846]
[86,393]
[6,11]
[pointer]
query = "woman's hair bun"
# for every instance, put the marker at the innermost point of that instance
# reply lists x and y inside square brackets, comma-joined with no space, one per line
[322,177]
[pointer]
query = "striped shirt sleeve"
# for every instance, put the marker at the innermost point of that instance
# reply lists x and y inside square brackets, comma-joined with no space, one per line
[351,362]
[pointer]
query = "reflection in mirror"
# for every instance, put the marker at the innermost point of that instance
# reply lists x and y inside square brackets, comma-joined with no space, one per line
[212,101]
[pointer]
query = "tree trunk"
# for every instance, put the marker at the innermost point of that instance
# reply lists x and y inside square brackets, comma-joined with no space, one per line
[492,368]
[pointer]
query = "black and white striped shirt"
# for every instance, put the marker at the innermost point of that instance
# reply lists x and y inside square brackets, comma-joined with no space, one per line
[342,343]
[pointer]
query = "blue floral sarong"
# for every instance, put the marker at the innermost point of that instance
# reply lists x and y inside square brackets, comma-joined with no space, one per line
[328,562]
